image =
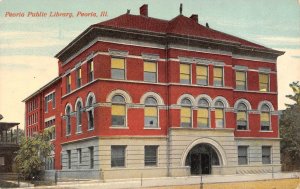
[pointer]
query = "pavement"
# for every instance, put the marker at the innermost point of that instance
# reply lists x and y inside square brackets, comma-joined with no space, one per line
[169,182]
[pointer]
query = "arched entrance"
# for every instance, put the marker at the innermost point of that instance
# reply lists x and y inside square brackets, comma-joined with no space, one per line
[200,158]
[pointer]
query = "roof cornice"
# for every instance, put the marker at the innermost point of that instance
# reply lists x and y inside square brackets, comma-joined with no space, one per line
[225,43]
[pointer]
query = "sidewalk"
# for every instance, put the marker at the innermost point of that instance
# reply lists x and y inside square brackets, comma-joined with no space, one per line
[171,181]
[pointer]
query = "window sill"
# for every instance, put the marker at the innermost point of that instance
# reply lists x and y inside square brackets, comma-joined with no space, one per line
[264,131]
[91,129]
[150,166]
[247,130]
[68,135]
[120,167]
[152,128]
[79,132]
[118,127]
[243,164]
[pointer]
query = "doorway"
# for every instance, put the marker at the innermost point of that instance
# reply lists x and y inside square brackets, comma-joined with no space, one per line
[201,158]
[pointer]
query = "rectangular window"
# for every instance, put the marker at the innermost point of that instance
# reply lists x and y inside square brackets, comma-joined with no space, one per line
[266,154]
[118,115]
[151,155]
[118,68]
[79,156]
[2,161]
[151,117]
[150,72]
[186,117]
[202,75]
[241,118]
[118,156]
[264,82]
[240,80]
[91,71]
[46,103]
[218,77]
[202,118]
[91,151]
[69,158]
[219,114]
[185,74]
[53,100]
[78,77]
[242,155]
[68,83]
[265,121]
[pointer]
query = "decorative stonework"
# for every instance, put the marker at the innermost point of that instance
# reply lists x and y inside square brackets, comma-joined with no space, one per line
[151,57]
[118,53]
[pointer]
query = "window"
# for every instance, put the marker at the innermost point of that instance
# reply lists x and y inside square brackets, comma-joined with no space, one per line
[78,116]
[53,100]
[186,113]
[48,98]
[2,160]
[185,74]
[91,71]
[242,117]
[118,68]
[90,113]
[91,151]
[218,77]
[266,154]
[69,158]
[151,113]
[78,77]
[263,82]
[68,83]
[79,156]
[46,104]
[118,111]
[240,80]
[203,114]
[265,122]
[242,155]
[52,134]
[68,121]
[151,155]
[150,72]
[202,75]
[219,114]
[118,156]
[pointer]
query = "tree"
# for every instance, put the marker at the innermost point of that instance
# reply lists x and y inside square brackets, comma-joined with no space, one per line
[290,131]
[32,154]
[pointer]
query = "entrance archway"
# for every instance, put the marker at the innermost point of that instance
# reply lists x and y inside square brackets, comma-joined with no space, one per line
[201,158]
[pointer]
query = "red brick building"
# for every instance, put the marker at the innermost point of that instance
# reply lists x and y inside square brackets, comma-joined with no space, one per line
[139,95]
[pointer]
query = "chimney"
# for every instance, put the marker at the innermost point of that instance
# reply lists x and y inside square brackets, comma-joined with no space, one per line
[144,10]
[194,17]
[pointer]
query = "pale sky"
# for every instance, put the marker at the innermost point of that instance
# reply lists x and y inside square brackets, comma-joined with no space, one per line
[28,44]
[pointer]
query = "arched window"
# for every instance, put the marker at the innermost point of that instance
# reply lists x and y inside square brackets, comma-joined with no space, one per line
[203,114]
[151,113]
[118,111]
[186,113]
[219,114]
[68,120]
[242,117]
[265,121]
[90,112]
[78,117]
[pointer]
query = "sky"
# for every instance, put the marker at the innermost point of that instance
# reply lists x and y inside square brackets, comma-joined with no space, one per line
[28,44]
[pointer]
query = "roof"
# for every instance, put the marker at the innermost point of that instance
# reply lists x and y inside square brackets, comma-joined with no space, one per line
[41,89]
[5,125]
[180,25]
